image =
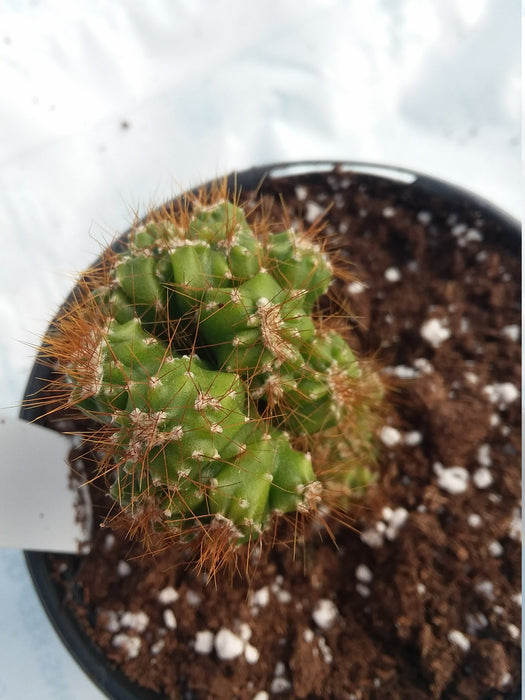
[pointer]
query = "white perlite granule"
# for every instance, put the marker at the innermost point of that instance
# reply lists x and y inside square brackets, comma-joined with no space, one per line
[512,332]
[355,288]
[458,229]
[157,647]
[167,596]
[389,527]
[389,212]
[482,478]
[515,525]
[389,436]
[282,595]
[486,588]
[396,519]
[326,652]
[137,621]
[251,654]
[454,480]
[505,679]
[392,274]
[363,590]
[109,541]
[280,685]
[468,236]
[513,630]
[435,332]
[261,597]
[131,645]
[363,573]
[372,538]
[193,598]
[458,638]
[423,365]
[313,211]
[476,622]
[495,549]
[325,613]
[170,621]
[471,377]
[228,645]
[123,569]
[474,520]
[495,420]
[279,670]
[484,455]
[112,620]
[204,642]
[308,635]
[501,394]
[301,193]
[261,695]
[402,371]
[412,438]
[245,632]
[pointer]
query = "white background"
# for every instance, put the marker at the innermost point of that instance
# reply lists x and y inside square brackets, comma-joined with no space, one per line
[207,87]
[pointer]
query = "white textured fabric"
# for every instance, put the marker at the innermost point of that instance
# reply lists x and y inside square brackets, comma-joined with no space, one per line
[109,107]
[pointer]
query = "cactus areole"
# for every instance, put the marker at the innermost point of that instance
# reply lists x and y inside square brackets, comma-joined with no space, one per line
[225,394]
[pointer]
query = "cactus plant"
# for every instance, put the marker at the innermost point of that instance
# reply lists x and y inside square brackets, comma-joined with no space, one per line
[224,394]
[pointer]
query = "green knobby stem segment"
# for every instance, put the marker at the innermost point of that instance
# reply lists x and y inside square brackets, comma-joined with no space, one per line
[254,325]
[184,440]
[299,264]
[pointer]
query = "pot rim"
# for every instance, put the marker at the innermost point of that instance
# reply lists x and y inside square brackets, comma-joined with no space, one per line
[255,175]
[89,657]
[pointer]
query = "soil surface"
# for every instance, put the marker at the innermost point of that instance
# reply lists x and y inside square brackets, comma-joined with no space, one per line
[422,599]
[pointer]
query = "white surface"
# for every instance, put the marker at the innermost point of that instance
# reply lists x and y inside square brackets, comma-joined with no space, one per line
[207,87]
[33,465]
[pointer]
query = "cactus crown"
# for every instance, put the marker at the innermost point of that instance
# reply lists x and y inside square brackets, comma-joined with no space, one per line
[224,394]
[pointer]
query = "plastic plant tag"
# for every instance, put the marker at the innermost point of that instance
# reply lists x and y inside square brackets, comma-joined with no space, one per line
[39,506]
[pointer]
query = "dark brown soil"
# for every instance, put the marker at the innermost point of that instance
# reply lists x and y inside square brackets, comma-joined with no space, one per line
[425,592]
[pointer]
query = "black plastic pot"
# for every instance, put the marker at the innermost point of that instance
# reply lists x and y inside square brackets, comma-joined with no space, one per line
[427,191]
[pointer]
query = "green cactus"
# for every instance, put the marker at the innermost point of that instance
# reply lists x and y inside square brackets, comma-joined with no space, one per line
[226,399]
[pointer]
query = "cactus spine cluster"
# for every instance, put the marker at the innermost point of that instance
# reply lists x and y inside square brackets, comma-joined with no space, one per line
[224,397]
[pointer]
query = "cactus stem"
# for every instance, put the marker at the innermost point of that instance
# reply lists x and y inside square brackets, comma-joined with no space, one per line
[274,405]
